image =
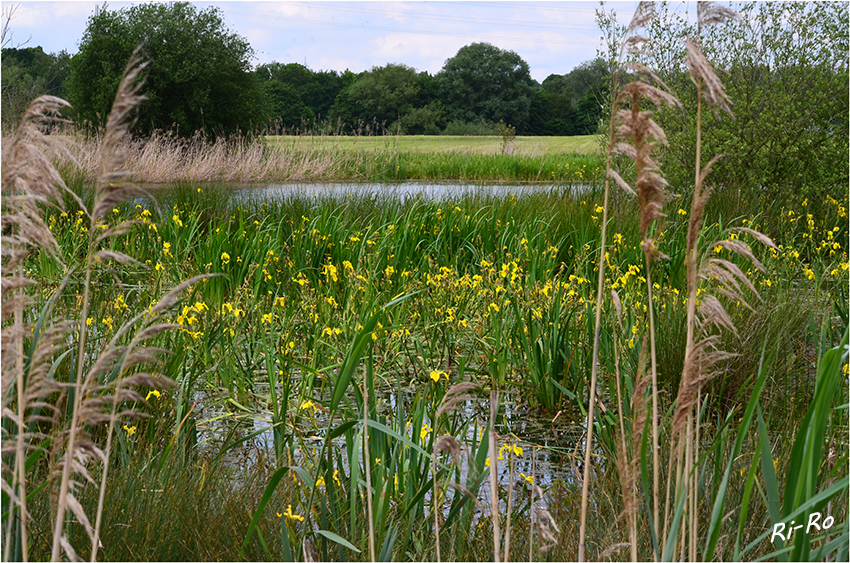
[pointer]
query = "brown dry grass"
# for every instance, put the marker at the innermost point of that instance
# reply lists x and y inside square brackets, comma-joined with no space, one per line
[166,159]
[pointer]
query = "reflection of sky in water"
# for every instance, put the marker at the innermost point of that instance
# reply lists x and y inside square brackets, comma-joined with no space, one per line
[553,458]
[401,191]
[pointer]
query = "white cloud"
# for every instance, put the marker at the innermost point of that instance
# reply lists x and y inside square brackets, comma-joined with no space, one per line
[550,36]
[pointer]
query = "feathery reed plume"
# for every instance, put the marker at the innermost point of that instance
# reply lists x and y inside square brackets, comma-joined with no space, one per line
[107,196]
[450,444]
[612,549]
[702,354]
[113,376]
[644,135]
[28,181]
[631,123]
[546,530]
[455,395]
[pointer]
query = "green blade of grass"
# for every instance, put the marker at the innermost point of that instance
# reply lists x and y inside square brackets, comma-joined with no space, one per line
[716,519]
[390,432]
[810,505]
[264,500]
[337,539]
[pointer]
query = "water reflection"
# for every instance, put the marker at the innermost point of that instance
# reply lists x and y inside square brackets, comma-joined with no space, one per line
[554,442]
[400,191]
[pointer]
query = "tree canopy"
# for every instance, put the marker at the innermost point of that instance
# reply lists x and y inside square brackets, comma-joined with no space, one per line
[199,75]
[784,67]
[297,96]
[29,73]
[484,82]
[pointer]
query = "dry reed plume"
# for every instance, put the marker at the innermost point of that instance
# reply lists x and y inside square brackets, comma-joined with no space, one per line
[634,134]
[703,357]
[105,383]
[636,125]
[28,181]
[163,158]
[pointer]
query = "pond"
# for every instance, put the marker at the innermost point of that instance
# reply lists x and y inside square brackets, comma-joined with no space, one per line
[401,191]
[554,437]
[549,446]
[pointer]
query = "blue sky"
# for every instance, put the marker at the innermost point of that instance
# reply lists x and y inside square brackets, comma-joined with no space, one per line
[552,36]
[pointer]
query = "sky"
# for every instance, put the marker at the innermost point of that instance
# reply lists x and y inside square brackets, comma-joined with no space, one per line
[553,37]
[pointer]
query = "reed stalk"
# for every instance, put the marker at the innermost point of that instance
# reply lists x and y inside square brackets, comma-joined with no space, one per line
[366,456]
[649,186]
[436,503]
[20,478]
[625,464]
[494,473]
[510,509]
[686,432]
[531,507]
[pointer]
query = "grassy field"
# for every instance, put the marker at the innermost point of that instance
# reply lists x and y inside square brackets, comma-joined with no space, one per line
[431,144]
[163,159]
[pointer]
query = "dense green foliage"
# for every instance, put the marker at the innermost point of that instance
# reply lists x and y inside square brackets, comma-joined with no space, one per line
[28,73]
[381,96]
[483,82]
[573,102]
[296,95]
[784,66]
[199,77]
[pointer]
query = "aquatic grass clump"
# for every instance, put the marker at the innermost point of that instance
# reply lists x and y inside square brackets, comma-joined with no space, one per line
[167,159]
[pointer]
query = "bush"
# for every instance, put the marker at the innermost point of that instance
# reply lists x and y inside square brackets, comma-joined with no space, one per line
[785,68]
[472,128]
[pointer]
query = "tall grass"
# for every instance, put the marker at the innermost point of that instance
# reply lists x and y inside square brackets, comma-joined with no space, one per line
[703,359]
[163,158]
[100,380]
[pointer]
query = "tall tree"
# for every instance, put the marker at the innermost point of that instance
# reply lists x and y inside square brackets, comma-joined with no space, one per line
[484,82]
[29,73]
[576,98]
[199,75]
[385,93]
[285,87]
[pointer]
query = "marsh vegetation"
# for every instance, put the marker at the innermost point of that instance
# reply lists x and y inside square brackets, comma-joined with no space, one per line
[192,375]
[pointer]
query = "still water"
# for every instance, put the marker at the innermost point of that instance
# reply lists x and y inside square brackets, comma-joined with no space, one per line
[400,191]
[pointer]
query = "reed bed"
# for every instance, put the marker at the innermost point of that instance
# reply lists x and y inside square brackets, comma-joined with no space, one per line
[165,159]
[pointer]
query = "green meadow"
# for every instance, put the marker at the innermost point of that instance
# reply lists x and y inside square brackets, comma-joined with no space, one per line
[431,144]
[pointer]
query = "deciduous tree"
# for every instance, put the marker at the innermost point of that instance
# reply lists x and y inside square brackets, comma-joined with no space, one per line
[199,75]
[483,82]
[785,69]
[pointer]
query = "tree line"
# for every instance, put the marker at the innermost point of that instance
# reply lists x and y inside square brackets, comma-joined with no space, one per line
[784,65]
[200,79]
